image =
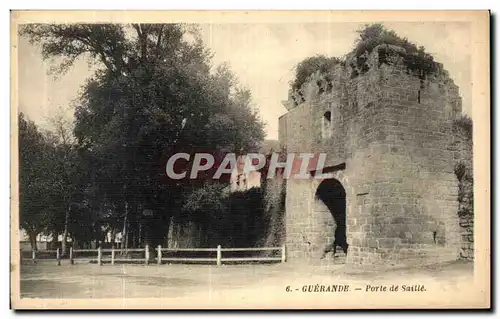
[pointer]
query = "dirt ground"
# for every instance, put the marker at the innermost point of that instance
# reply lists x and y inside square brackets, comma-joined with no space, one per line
[84,280]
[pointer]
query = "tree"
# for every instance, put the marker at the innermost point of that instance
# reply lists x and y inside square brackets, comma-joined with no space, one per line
[68,174]
[208,205]
[30,143]
[37,205]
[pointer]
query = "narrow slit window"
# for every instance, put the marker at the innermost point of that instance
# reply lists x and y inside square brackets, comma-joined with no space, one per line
[327,124]
[328,116]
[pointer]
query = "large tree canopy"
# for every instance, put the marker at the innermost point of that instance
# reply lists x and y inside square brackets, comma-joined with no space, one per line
[154,92]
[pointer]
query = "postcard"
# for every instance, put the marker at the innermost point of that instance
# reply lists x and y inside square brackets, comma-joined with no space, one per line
[250,160]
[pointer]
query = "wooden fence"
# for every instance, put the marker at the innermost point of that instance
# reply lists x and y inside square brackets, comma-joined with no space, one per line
[113,255]
[45,255]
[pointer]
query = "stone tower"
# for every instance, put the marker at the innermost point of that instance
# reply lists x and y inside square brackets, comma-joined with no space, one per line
[388,136]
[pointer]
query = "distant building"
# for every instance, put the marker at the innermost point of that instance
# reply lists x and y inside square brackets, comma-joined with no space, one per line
[241,180]
[43,242]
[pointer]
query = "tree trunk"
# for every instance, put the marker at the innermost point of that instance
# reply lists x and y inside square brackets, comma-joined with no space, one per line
[65,232]
[166,232]
[113,236]
[123,243]
[140,241]
[134,238]
[32,238]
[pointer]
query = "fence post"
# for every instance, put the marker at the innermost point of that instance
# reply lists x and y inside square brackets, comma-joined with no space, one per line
[219,255]
[58,257]
[159,255]
[146,254]
[33,256]
[112,255]
[71,261]
[99,256]
[283,253]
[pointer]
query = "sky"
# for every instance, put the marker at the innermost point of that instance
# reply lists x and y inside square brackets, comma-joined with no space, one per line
[262,56]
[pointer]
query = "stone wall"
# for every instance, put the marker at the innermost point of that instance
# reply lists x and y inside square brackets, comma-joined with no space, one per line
[274,212]
[393,133]
[463,161]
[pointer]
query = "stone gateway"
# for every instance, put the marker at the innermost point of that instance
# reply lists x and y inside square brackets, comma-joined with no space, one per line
[389,138]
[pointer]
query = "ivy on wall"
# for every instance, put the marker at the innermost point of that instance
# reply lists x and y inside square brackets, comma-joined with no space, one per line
[310,66]
[463,171]
[417,61]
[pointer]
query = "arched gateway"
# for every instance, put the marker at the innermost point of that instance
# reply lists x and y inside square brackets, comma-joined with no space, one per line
[332,194]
